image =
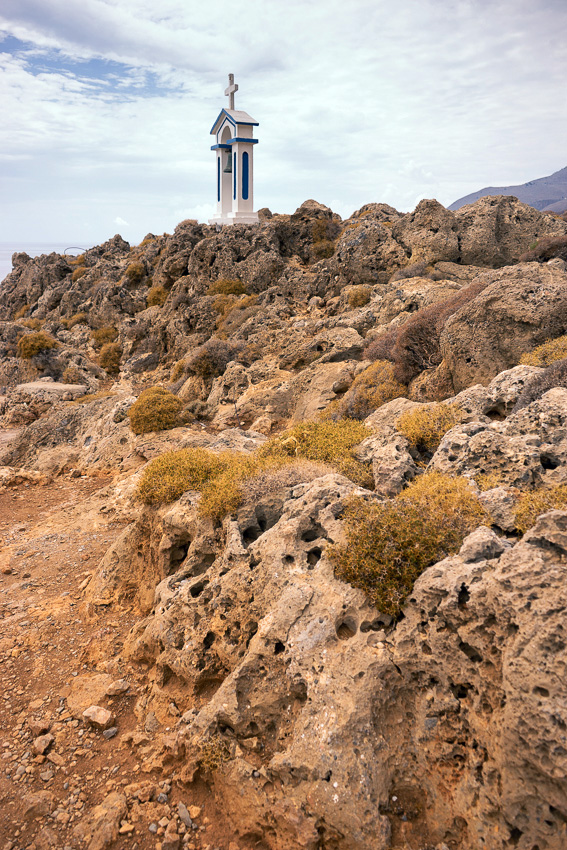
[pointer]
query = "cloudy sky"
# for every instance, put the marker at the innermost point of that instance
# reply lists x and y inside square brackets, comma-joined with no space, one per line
[107,105]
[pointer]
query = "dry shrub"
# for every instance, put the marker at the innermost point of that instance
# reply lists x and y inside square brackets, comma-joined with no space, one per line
[275,479]
[413,270]
[32,344]
[324,442]
[78,273]
[554,376]
[157,296]
[371,389]
[322,250]
[32,324]
[72,375]
[168,476]
[21,312]
[109,357]
[359,295]
[426,426]
[415,345]
[389,545]
[101,336]
[135,272]
[547,353]
[155,409]
[531,505]
[211,359]
[323,233]
[546,249]
[177,370]
[227,287]
[235,314]
[76,319]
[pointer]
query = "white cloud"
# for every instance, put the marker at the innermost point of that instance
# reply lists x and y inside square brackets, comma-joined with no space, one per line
[108,104]
[120,221]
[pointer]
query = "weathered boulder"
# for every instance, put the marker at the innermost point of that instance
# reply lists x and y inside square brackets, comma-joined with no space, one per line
[428,234]
[496,230]
[523,306]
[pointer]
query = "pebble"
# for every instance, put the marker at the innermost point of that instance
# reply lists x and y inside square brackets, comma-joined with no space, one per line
[110,733]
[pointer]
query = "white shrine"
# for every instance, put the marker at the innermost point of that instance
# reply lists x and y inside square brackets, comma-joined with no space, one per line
[235,163]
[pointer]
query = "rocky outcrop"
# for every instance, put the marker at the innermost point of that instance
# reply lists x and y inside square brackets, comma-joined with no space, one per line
[522,307]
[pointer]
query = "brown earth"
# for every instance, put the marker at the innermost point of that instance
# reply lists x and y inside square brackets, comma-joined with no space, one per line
[51,538]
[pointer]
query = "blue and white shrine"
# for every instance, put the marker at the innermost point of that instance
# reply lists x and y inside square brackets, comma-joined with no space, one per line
[234,151]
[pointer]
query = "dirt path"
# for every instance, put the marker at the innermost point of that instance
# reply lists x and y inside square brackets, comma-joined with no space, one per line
[55,769]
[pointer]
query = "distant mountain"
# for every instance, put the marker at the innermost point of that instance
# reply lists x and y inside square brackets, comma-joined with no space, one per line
[546,193]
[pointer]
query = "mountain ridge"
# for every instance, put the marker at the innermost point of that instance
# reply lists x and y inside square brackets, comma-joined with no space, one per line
[547,194]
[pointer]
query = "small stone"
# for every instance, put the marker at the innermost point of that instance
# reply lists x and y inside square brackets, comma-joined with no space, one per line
[194,812]
[184,815]
[153,827]
[46,775]
[39,727]
[97,716]
[110,733]
[43,743]
[56,759]
[162,798]
[125,828]
[120,686]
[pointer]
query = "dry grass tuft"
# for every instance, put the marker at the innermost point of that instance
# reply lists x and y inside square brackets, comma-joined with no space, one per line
[32,344]
[531,505]
[426,426]
[547,353]
[155,409]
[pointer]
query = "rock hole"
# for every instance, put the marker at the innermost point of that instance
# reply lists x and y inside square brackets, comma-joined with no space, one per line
[197,589]
[314,556]
[249,535]
[289,559]
[515,835]
[470,652]
[177,555]
[460,691]
[548,462]
[262,522]
[166,674]
[279,647]
[541,692]
[314,533]
[327,777]
[495,415]
[252,628]
[254,562]
[372,626]
[463,597]
[209,640]
[426,649]
[346,630]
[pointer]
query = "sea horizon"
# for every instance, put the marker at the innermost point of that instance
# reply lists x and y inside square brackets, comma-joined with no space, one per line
[34,249]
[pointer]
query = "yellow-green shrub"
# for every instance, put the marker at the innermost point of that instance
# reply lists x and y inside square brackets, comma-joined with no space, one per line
[31,344]
[547,353]
[78,273]
[157,296]
[531,505]
[109,357]
[168,476]
[359,295]
[155,409]
[21,312]
[389,545]
[426,426]
[327,442]
[227,287]
[100,336]
[369,390]
[177,370]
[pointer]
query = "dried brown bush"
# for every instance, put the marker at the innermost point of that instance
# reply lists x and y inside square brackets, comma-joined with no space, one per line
[371,389]
[155,409]
[415,345]
[109,357]
[546,249]
[100,336]
[78,273]
[32,344]
[157,296]
[211,359]
[554,376]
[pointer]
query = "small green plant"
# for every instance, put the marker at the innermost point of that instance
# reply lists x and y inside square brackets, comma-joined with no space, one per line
[359,295]
[426,426]
[34,343]
[227,287]
[324,442]
[389,545]
[78,273]
[213,754]
[101,336]
[109,357]
[371,389]
[531,505]
[135,272]
[155,409]
[547,353]
[157,296]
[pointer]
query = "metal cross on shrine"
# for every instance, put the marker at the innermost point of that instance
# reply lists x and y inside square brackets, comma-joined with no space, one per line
[232,87]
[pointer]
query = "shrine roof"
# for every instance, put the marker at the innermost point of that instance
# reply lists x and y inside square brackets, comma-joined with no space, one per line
[235,116]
